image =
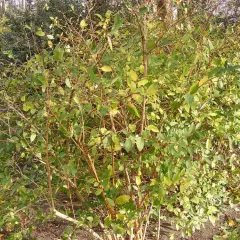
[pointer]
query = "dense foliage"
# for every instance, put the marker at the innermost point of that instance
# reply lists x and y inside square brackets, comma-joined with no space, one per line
[135,118]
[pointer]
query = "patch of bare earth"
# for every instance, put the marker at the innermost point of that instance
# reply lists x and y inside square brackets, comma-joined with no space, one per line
[54,230]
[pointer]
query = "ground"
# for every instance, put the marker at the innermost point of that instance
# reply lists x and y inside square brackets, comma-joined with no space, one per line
[56,229]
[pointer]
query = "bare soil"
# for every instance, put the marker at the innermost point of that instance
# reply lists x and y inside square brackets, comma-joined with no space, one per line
[54,230]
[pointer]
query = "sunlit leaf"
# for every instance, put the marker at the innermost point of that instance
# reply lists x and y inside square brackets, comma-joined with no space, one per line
[203,80]
[140,143]
[40,33]
[133,75]
[33,137]
[138,180]
[152,128]
[83,24]
[128,145]
[194,88]
[123,199]
[106,69]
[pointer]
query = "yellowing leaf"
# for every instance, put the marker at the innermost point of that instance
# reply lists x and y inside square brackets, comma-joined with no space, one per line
[143,82]
[208,144]
[202,81]
[132,109]
[120,216]
[76,99]
[61,91]
[152,128]
[138,180]
[50,44]
[83,24]
[110,43]
[231,223]
[133,75]
[123,199]
[152,90]
[106,68]
[114,111]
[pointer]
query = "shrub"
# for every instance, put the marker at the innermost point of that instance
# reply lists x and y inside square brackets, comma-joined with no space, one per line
[136,122]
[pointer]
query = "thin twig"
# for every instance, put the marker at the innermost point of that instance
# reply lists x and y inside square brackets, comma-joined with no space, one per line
[147,223]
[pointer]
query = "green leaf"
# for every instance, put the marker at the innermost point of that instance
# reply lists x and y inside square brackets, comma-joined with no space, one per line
[175,105]
[128,145]
[189,98]
[60,90]
[165,42]
[118,229]
[132,109]
[98,192]
[123,199]
[143,10]
[103,109]
[194,88]
[139,143]
[211,210]
[117,23]
[27,106]
[99,16]
[151,44]
[106,69]
[40,32]
[111,202]
[58,54]
[152,128]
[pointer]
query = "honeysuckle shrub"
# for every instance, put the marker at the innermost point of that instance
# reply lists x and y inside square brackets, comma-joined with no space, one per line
[135,119]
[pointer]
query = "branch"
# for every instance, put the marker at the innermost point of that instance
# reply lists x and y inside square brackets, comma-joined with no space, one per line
[72,220]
